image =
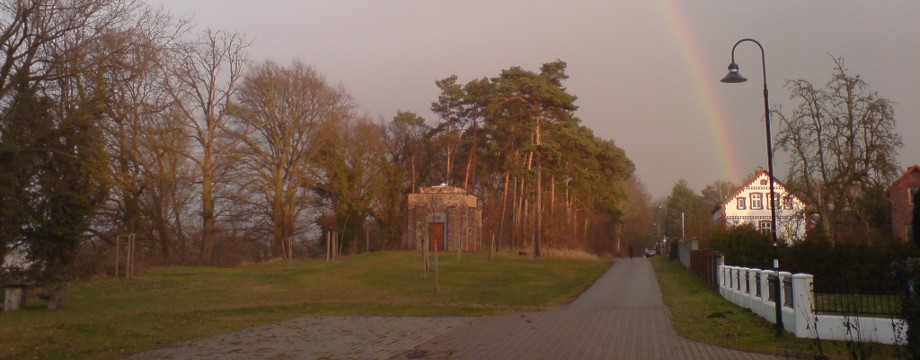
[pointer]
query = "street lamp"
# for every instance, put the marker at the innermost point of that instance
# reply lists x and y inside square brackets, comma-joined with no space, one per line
[735,77]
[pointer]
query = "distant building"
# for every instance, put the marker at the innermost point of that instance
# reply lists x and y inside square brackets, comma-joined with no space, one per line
[445,218]
[751,204]
[901,194]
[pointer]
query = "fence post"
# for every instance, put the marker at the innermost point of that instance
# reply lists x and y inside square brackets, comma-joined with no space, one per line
[765,295]
[803,300]
[730,285]
[783,275]
[788,323]
[720,262]
[742,287]
[753,278]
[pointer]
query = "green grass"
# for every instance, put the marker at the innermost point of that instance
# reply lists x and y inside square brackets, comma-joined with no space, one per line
[699,313]
[114,318]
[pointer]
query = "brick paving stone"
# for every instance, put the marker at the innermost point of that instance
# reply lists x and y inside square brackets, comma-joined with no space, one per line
[621,316]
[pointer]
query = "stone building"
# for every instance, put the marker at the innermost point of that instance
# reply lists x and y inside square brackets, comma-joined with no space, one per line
[444,217]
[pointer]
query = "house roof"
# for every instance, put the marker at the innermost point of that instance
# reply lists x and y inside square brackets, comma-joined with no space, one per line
[750,180]
[903,177]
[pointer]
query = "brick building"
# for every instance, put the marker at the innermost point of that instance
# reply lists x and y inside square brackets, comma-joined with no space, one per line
[901,193]
[445,217]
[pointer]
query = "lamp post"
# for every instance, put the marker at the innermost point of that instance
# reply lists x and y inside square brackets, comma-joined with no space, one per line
[735,77]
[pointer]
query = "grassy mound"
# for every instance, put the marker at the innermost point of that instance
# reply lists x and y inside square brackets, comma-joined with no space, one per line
[113,318]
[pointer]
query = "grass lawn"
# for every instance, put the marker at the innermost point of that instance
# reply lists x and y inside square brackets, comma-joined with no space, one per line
[113,318]
[701,314]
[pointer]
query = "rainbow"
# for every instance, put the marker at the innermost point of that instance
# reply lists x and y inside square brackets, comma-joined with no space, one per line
[707,83]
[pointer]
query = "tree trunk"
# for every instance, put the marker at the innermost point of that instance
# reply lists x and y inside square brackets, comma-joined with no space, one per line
[538,213]
[412,160]
[278,216]
[501,223]
[471,158]
[450,158]
[207,215]
[538,202]
[515,214]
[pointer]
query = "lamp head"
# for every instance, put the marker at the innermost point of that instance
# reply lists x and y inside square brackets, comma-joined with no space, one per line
[733,75]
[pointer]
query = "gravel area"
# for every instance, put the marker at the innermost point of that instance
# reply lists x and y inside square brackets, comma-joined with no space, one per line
[315,337]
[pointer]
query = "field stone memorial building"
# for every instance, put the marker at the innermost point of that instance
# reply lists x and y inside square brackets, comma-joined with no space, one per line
[445,218]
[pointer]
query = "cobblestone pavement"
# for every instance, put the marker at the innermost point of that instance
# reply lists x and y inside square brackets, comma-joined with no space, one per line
[621,316]
[315,337]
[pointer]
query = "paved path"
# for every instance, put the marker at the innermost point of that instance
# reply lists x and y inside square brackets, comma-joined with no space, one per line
[621,316]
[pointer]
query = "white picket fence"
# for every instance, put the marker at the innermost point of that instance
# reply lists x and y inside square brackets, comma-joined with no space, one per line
[750,288]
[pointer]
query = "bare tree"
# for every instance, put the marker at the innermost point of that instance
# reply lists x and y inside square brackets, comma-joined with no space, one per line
[136,122]
[48,39]
[203,83]
[842,143]
[281,113]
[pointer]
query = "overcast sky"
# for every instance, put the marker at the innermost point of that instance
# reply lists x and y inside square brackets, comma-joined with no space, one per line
[646,72]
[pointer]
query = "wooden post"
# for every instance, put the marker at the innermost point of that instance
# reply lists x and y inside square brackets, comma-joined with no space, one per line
[491,245]
[460,234]
[129,255]
[425,254]
[437,286]
[130,266]
[117,255]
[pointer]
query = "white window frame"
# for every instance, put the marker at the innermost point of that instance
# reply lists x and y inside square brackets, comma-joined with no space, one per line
[756,201]
[765,226]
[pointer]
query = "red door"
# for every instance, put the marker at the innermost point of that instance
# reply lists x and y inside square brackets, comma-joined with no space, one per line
[436,237]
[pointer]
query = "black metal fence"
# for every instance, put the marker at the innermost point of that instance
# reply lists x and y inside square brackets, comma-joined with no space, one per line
[871,305]
[787,292]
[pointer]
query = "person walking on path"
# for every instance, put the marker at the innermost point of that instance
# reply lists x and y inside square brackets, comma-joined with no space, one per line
[621,316]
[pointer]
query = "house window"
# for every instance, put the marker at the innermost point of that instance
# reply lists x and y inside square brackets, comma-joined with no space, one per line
[763,182]
[742,204]
[769,201]
[756,201]
[764,226]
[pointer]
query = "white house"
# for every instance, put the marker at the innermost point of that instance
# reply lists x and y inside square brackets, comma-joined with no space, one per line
[752,202]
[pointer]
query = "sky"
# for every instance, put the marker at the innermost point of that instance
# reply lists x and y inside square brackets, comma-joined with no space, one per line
[646,72]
